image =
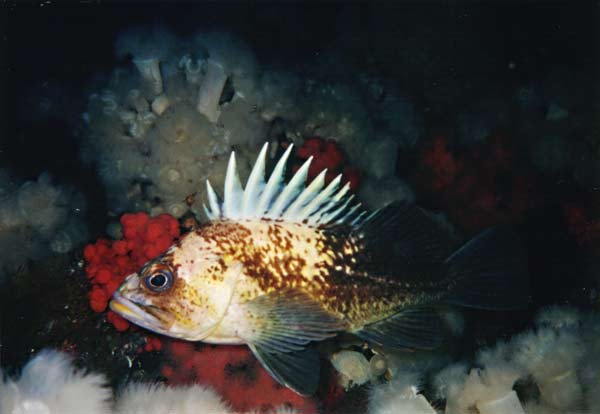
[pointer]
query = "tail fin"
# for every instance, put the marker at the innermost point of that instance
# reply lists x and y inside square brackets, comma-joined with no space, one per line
[490,272]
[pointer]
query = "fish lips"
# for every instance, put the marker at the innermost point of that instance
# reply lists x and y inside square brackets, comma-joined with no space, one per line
[146,316]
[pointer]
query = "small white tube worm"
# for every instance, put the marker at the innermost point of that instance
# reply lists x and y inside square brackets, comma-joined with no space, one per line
[210,91]
[110,103]
[509,404]
[177,209]
[150,71]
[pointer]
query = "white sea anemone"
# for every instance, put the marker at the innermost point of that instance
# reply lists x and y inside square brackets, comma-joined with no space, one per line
[488,389]
[552,357]
[559,317]
[159,399]
[399,396]
[49,384]
[36,218]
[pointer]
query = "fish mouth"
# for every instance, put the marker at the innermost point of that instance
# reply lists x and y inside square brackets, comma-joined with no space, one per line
[146,316]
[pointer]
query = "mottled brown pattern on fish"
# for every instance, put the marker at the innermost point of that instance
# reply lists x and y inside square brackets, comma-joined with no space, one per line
[276,255]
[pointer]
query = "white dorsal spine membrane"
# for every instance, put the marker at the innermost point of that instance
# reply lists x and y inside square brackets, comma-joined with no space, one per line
[294,202]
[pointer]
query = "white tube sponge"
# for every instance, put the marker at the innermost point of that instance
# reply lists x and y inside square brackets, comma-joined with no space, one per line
[210,91]
[159,399]
[148,47]
[234,56]
[192,68]
[149,68]
[49,384]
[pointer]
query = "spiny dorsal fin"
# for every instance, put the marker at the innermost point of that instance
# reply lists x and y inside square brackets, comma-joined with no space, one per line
[293,202]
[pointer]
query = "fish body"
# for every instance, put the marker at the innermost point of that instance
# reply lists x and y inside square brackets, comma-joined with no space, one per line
[278,267]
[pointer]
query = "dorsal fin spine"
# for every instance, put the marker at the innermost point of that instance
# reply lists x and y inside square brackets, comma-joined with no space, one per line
[359,219]
[291,190]
[233,190]
[349,214]
[273,184]
[293,212]
[335,213]
[335,201]
[312,207]
[255,184]
[213,201]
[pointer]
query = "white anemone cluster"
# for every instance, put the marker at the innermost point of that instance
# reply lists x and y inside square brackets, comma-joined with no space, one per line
[557,362]
[50,384]
[162,125]
[561,356]
[37,218]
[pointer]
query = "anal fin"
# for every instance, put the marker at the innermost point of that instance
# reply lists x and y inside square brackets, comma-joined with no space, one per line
[411,328]
[297,370]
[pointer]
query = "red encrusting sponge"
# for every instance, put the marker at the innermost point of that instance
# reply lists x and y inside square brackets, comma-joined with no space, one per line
[234,373]
[584,228]
[480,187]
[327,154]
[109,262]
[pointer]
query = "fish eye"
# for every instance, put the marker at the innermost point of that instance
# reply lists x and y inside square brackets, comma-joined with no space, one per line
[159,281]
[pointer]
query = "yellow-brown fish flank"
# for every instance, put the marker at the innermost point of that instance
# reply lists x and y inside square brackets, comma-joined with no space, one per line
[324,263]
[351,292]
[272,261]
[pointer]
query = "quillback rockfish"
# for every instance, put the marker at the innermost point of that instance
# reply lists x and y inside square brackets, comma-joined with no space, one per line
[279,267]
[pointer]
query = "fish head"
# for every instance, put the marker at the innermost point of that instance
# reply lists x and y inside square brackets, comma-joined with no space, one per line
[184,293]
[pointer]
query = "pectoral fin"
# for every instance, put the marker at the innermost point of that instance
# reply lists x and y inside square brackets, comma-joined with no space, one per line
[411,328]
[286,321]
[278,329]
[298,370]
